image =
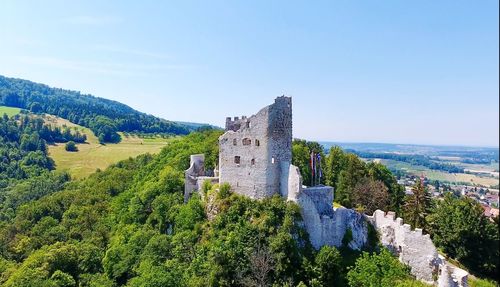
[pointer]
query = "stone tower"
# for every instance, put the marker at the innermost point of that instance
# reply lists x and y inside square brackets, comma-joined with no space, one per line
[255,152]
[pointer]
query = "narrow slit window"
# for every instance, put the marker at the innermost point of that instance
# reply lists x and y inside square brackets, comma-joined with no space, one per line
[252,161]
[235,142]
[248,124]
[237,159]
[257,143]
[272,159]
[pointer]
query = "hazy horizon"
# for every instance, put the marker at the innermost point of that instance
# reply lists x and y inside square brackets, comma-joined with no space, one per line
[421,73]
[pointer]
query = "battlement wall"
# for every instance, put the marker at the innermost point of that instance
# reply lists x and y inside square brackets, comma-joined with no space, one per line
[327,226]
[416,250]
[255,152]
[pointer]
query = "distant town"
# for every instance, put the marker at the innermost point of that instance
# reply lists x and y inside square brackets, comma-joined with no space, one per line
[466,171]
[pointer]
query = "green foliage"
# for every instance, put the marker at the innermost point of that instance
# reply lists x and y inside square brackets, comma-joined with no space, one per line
[476,282]
[377,270]
[370,195]
[104,117]
[347,237]
[411,283]
[328,263]
[70,146]
[346,173]
[129,226]
[418,206]
[301,157]
[459,228]
[35,107]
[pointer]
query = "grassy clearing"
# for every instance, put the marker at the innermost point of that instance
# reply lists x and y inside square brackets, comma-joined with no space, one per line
[9,111]
[92,155]
[476,282]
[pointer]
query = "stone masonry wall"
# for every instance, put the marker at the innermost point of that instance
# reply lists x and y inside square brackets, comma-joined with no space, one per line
[196,169]
[253,151]
[327,226]
[416,250]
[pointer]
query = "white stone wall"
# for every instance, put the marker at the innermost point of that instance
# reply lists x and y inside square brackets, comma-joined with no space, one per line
[259,171]
[326,226]
[291,185]
[416,250]
[196,169]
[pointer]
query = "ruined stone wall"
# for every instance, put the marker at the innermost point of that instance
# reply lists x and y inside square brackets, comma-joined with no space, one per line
[416,250]
[280,141]
[255,159]
[292,180]
[327,226]
[253,151]
[196,169]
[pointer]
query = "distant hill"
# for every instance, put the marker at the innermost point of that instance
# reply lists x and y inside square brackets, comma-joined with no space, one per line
[490,153]
[198,125]
[104,117]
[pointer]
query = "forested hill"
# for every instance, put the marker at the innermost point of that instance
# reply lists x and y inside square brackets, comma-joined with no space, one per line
[104,117]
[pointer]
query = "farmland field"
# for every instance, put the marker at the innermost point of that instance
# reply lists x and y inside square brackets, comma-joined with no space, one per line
[441,175]
[9,111]
[92,155]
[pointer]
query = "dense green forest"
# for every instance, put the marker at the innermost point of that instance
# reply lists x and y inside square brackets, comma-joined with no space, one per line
[23,146]
[128,225]
[104,117]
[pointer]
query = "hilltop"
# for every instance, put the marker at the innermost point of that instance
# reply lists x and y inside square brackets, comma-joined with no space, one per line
[104,117]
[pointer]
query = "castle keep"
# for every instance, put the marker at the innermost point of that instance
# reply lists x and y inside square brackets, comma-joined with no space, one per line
[255,155]
[255,152]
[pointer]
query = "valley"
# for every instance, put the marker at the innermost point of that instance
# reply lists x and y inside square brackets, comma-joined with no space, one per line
[92,155]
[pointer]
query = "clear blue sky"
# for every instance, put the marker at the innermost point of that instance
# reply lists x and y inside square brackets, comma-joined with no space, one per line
[360,71]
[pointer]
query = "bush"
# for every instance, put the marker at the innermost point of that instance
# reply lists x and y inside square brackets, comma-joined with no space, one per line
[377,270]
[481,283]
[71,146]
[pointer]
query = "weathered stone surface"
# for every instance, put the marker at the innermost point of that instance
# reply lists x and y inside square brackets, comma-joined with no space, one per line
[416,250]
[196,169]
[255,152]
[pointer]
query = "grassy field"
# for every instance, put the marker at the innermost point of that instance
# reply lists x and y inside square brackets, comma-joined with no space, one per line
[9,111]
[92,155]
[441,175]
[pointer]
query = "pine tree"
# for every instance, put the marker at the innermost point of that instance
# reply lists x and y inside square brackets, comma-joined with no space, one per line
[418,206]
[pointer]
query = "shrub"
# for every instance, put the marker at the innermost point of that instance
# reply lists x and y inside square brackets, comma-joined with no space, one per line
[71,146]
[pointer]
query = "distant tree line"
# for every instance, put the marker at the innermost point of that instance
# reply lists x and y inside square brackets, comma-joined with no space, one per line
[414,159]
[366,186]
[104,117]
[23,146]
[483,156]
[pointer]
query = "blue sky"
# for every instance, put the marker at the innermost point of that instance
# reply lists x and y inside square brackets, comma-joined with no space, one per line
[422,72]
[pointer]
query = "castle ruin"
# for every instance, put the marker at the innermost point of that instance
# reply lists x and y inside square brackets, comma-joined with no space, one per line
[255,155]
